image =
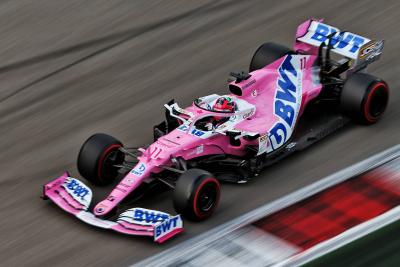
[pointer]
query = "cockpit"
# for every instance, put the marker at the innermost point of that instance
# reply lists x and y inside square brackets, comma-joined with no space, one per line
[217,103]
[211,114]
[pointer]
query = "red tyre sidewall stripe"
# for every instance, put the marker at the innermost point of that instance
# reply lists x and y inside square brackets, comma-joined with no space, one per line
[368,101]
[110,148]
[210,179]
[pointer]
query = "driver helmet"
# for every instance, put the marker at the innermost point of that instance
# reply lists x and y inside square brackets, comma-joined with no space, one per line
[225,104]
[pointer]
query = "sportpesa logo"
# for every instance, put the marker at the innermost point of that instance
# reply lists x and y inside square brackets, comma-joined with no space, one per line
[287,101]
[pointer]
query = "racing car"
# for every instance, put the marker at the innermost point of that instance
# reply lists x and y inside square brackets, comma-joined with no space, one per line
[288,100]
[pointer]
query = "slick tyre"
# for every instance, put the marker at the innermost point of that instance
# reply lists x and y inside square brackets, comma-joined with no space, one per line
[196,194]
[364,98]
[97,158]
[266,54]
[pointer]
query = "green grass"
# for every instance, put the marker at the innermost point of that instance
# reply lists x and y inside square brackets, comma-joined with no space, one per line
[380,248]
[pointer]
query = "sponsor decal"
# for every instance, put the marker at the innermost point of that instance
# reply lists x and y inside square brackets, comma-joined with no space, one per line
[340,40]
[287,101]
[247,85]
[198,133]
[78,191]
[344,43]
[262,144]
[169,226]
[143,216]
[183,128]
[139,169]
[248,114]
[371,50]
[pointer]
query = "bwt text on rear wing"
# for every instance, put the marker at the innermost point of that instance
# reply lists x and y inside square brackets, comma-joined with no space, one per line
[361,49]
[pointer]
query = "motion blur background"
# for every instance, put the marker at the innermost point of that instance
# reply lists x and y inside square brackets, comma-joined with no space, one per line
[69,69]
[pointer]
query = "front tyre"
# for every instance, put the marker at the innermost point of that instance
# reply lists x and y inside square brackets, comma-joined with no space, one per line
[98,157]
[196,194]
[364,98]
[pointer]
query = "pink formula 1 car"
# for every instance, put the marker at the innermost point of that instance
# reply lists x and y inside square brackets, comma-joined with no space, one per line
[288,100]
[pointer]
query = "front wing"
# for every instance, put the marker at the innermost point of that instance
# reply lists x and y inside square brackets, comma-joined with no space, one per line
[74,197]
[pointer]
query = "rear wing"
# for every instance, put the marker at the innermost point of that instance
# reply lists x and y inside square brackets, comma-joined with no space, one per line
[350,45]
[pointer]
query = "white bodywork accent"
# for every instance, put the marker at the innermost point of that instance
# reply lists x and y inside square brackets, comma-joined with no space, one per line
[276,140]
[78,191]
[142,216]
[348,44]
[89,218]
[167,227]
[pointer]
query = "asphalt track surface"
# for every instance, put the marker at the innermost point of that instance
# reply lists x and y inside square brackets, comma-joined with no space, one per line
[69,69]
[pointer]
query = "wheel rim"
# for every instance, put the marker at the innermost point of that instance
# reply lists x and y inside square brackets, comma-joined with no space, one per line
[376,102]
[112,156]
[207,197]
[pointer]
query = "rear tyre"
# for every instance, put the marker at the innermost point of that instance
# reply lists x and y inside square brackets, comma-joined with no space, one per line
[196,194]
[266,54]
[97,158]
[364,98]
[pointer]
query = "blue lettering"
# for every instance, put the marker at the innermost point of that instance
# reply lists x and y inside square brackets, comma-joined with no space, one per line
[286,85]
[151,217]
[286,112]
[197,132]
[166,225]
[139,170]
[286,100]
[357,42]
[287,66]
[321,32]
[81,192]
[279,132]
[72,184]
[138,215]
[339,41]
[158,231]
[174,221]
[77,189]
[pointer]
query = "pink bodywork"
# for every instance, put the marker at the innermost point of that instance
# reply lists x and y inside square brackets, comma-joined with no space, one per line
[57,194]
[55,190]
[269,103]
[259,90]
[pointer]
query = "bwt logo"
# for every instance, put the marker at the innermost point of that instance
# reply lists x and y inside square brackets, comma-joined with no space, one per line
[77,189]
[287,99]
[166,226]
[340,40]
[149,216]
[139,170]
